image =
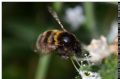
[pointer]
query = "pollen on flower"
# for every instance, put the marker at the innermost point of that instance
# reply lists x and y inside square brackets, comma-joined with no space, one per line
[89,75]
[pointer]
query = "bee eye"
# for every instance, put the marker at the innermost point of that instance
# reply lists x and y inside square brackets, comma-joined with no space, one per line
[66,40]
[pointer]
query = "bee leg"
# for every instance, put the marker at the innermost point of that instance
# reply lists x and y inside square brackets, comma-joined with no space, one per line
[75,65]
[65,57]
[63,53]
[77,50]
[77,61]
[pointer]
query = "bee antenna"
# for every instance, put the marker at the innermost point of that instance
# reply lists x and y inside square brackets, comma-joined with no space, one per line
[55,16]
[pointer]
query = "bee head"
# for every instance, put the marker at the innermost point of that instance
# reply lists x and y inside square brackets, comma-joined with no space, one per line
[69,44]
[66,39]
[77,49]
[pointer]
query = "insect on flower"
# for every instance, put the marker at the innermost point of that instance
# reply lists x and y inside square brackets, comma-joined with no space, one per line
[63,42]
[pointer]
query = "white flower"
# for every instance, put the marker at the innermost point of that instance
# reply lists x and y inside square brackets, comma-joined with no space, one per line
[89,75]
[98,49]
[74,16]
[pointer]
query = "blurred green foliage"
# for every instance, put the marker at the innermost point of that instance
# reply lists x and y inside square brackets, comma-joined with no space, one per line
[22,22]
[107,68]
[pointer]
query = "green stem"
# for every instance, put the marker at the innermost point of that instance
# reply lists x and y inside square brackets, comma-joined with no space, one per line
[42,67]
[57,6]
[44,60]
[90,19]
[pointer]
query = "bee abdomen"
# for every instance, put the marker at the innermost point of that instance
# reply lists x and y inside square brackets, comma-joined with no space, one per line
[46,42]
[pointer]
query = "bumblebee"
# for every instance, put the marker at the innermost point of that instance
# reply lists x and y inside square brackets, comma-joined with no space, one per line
[61,41]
